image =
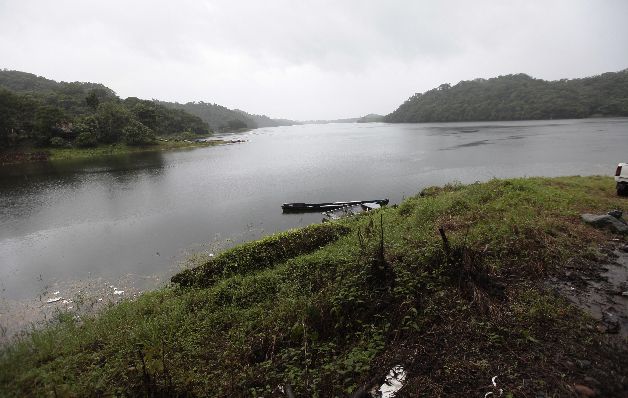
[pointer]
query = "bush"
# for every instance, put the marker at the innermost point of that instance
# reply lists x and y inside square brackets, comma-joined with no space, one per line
[135,133]
[86,139]
[57,142]
[186,135]
[261,254]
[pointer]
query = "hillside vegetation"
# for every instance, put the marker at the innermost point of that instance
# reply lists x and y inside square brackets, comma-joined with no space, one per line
[329,310]
[518,97]
[35,111]
[223,119]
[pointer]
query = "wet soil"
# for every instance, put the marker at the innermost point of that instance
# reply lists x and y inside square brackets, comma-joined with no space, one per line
[599,286]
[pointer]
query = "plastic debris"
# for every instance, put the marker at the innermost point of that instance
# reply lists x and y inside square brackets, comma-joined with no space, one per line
[118,292]
[55,293]
[393,382]
[100,299]
[54,300]
[494,382]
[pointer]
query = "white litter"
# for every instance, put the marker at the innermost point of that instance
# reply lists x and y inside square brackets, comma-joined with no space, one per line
[55,293]
[53,300]
[70,307]
[118,292]
[100,299]
[501,390]
[393,382]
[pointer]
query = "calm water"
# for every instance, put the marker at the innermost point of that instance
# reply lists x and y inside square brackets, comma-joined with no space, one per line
[141,214]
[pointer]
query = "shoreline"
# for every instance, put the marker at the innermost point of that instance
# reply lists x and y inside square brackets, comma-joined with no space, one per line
[331,308]
[55,154]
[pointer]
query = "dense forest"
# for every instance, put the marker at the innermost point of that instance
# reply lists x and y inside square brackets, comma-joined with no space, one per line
[517,97]
[220,118]
[42,112]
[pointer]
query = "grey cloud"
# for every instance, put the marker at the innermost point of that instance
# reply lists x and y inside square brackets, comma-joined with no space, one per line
[308,59]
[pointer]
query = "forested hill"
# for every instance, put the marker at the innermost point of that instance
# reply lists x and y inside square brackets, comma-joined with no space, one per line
[42,112]
[220,118]
[517,97]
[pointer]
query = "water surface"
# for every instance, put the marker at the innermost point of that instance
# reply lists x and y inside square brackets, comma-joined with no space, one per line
[141,213]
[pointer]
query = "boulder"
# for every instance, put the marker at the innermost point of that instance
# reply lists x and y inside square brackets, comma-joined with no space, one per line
[606,221]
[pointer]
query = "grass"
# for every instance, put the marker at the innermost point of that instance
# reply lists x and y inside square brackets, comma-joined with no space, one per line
[38,154]
[118,149]
[338,314]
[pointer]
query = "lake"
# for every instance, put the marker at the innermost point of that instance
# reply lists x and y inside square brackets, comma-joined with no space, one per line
[138,216]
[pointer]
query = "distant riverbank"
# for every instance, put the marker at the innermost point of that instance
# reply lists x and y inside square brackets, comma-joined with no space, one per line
[52,154]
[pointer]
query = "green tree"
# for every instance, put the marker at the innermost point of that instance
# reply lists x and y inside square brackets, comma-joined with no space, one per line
[86,139]
[49,121]
[112,118]
[92,100]
[135,133]
[57,142]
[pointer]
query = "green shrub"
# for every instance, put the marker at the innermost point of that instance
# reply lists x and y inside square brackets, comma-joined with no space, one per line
[57,142]
[261,254]
[135,133]
[86,139]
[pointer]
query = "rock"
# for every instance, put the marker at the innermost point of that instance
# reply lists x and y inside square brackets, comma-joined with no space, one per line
[584,391]
[583,363]
[606,221]
[615,213]
[591,380]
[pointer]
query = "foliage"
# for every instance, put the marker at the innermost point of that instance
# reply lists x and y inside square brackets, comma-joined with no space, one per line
[34,109]
[86,139]
[111,118]
[135,133]
[17,115]
[233,125]
[261,254]
[57,142]
[223,119]
[163,120]
[518,97]
[120,149]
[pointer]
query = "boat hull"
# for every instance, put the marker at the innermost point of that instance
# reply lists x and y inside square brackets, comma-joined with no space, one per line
[322,207]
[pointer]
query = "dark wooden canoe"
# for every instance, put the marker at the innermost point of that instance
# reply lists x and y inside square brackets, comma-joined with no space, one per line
[321,207]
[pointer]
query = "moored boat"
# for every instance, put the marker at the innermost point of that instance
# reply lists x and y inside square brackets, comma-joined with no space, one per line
[321,207]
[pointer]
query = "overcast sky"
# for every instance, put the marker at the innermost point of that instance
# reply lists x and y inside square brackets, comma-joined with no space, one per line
[307,59]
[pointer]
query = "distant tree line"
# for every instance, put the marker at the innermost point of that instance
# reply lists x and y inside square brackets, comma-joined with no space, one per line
[42,112]
[517,97]
[220,118]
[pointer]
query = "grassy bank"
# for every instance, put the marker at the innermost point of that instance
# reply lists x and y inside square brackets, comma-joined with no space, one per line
[379,290]
[42,154]
[119,149]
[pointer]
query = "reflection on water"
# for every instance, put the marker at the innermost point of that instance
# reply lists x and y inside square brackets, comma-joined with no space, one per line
[141,213]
